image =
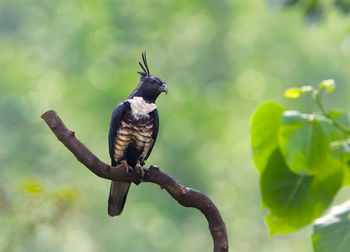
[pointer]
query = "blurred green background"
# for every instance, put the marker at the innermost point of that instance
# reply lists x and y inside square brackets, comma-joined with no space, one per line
[220,60]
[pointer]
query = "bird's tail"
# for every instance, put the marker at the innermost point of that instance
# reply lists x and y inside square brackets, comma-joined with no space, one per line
[117,197]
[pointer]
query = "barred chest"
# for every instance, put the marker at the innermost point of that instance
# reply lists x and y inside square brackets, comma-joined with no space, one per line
[136,128]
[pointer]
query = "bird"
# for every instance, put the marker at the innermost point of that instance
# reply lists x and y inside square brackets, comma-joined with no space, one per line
[133,132]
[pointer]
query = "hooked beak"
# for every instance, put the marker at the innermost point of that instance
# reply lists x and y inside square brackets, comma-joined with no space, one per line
[164,88]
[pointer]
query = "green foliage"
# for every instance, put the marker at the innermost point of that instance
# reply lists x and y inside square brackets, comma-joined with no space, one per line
[314,10]
[332,132]
[332,231]
[294,200]
[219,58]
[34,208]
[308,162]
[265,123]
[303,143]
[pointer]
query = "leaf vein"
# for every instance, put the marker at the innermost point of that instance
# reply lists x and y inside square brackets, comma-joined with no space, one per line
[294,192]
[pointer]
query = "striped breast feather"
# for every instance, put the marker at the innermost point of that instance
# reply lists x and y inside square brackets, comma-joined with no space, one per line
[142,138]
[140,135]
[123,138]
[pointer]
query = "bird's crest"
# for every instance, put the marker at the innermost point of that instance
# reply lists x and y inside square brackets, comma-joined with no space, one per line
[144,66]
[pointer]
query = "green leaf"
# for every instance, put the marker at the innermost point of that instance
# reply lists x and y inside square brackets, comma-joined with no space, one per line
[336,137]
[303,143]
[332,132]
[292,93]
[293,200]
[331,232]
[341,151]
[339,143]
[341,117]
[264,128]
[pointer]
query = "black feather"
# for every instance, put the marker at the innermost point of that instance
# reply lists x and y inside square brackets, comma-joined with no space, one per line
[142,74]
[144,70]
[119,190]
[155,116]
[145,62]
[116,119]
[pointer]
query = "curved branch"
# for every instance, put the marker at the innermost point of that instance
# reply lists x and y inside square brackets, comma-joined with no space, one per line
[185,196]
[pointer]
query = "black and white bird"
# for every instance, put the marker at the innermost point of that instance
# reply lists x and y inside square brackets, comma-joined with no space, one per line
[133,132]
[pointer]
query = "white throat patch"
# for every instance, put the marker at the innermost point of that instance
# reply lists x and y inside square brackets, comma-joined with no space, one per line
[139,107]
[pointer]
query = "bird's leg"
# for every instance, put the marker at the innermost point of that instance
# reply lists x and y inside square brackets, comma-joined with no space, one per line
[128,168]
[139,168]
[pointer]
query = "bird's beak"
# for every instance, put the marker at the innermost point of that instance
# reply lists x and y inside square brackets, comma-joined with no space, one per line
[164,88]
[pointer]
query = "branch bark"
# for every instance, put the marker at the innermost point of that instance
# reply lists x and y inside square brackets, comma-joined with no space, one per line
[185,196]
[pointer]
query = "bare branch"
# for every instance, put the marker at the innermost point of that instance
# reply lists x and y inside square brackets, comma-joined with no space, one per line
[185,196]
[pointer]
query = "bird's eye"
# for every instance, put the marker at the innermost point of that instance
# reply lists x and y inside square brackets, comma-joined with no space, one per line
[156,82]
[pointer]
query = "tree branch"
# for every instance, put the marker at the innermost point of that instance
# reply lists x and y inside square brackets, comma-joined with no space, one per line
[185,196]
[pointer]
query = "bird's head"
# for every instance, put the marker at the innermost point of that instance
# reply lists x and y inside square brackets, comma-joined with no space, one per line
[150,87]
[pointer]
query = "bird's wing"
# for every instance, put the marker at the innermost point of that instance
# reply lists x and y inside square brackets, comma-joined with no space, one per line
[116,119]
[154,113]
